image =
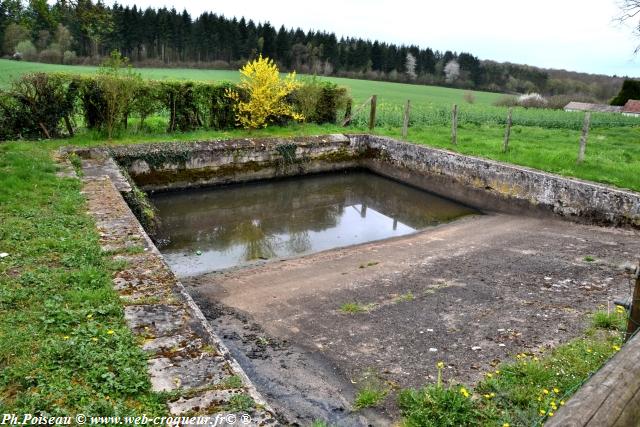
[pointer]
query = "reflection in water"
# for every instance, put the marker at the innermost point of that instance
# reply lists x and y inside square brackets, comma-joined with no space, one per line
[240,224]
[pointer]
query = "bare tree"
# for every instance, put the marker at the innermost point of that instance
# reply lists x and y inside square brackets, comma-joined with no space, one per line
[410,65]
[452,71]
[630,11]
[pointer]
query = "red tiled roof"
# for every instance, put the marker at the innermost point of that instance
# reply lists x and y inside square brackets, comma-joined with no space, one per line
[632,106]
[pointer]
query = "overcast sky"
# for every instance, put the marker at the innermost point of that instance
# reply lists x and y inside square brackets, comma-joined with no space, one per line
[579,35]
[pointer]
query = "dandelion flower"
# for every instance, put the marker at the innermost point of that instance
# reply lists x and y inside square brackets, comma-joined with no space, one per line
[616,348]
[94,339]
[545,391]
[440,365]
[66,337]
[492,394]
[497,373]
[89,316]
[506,425]
[542,412]
[551,414]
[486,396]
[589,350]
[556,390]
[562,403]
[489,375]
[110,332]
[464,392]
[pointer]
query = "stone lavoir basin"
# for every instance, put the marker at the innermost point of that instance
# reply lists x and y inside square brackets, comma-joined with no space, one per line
[210,229]
[448,258]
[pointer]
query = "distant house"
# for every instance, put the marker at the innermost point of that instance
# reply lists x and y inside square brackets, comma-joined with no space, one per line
[595,108]
[631,108]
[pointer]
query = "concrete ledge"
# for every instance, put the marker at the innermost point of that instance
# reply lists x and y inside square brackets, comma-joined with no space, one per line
[185,356]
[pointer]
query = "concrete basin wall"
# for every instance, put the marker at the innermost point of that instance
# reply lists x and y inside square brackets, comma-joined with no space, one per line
[481,183]
[492,185]
[165,166]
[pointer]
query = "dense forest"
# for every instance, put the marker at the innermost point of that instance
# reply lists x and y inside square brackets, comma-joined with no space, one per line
[82,31]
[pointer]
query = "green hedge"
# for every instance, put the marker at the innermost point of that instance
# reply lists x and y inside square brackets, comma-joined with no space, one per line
[37,106]
[46,105]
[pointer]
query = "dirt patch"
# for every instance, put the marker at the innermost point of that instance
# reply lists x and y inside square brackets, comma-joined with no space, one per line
[471,293]
[306,386]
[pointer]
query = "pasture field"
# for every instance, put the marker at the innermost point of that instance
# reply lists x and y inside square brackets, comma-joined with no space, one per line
[430,105]
[393,93]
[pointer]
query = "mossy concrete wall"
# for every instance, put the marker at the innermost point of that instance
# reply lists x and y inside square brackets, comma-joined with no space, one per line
[166,166]
[484,184]
[492,185]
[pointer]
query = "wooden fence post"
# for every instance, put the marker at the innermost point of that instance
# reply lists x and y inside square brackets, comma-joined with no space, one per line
[507,132]
[454,125]
[634,316]
[347,114]
[585,135]
[405,123]
[372,114]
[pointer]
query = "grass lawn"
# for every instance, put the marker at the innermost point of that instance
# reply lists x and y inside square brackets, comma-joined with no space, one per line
[64,345]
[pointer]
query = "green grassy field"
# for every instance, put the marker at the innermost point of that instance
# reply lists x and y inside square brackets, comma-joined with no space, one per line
[392,93]
[431,105]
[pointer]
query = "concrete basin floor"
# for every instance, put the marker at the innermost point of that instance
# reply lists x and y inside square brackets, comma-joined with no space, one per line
[471,293]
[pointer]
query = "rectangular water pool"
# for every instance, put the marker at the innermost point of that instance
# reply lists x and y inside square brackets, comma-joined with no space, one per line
[216,228]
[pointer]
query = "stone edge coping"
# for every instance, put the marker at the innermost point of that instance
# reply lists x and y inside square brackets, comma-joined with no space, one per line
[160,310]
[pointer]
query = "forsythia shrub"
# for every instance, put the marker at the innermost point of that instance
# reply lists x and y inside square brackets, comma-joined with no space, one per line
[266,94]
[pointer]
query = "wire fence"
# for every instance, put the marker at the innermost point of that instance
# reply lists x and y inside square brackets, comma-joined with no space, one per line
[392,115]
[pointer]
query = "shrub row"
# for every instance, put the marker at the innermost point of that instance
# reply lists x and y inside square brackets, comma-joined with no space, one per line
[48,105]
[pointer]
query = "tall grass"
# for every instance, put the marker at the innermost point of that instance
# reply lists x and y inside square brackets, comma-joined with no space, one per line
[391,115]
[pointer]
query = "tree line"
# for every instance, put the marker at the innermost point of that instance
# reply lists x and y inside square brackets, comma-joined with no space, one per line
[82,31]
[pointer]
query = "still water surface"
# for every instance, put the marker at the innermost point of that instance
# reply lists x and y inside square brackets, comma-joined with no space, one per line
[212,229]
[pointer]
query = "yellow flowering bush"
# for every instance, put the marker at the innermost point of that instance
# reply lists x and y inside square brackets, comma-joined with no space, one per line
[265,93]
